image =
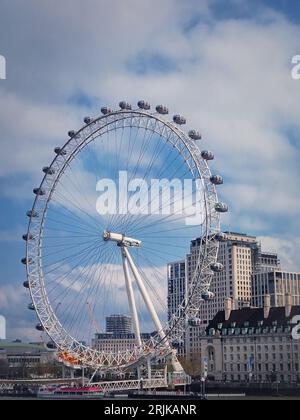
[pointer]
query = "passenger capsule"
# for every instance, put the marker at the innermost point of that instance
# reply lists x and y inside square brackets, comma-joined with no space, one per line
[28,237]
[162,110]
[221,237]
[207,296]
[26,284]
[39,327]
[48,171]
[144,105]
[195,322]
[178,119]
[217,267]
[51,346]
[125,105]
[39,191]
[216,180]
[71,133]
[31,307]
[32,214]
[106,111]
[27,261]
[206,155]
[87,120]
[195,135]
[221,208]
[59,151]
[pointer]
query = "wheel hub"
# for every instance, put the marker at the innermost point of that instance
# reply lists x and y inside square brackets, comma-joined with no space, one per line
[121,239]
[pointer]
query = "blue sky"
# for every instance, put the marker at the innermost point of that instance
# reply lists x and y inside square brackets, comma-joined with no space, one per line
[225,65]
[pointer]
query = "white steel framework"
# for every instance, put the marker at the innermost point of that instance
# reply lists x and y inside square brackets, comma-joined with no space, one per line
[160,344]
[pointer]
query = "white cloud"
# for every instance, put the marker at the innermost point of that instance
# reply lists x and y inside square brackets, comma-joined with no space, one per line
[288,250]
[20,322]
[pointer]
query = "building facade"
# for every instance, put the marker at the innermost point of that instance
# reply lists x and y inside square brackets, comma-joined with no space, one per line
[118,324]
[277,284]
[248,275]
[114,343]
[176,286]
[239,257]
[267,261]
[177,291]
[252,344]
[18,354]
[2,327]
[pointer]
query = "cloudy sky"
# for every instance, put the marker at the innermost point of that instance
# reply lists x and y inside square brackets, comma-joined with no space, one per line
[225,65]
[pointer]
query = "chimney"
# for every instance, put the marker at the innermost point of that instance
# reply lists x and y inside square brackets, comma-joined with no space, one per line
[228,308]
[267,306]
[288,305]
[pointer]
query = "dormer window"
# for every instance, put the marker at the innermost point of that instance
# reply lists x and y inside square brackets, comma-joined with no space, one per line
[212,332]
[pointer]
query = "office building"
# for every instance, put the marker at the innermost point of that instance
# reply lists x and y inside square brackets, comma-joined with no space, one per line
[18,354]
[115,343]
[267,261]
[176,291]
[238,255]
[2,328]
[277,284]
[118,324]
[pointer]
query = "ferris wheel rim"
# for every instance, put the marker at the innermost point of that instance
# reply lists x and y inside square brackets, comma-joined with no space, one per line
[32,277]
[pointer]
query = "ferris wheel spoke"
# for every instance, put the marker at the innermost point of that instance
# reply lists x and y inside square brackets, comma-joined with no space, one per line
[66,248]
[77,207]
[184,227]
[64,245]
[71,216]
[83,267]
[154,251]
[114,217]
[56,237]
[118,149]
[76,305]
[71,232]
[98,292]
[133,173]
[146,175]
[70,199]
[72,256]
[156,223]
[86,292]
[73,179]
[160,209]
[83,262]
[56,222]
[115,169]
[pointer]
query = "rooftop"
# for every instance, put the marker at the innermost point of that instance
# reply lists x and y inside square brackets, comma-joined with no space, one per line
[254,316]
[4,345]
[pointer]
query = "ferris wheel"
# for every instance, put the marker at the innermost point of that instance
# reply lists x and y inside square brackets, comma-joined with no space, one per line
[121,199]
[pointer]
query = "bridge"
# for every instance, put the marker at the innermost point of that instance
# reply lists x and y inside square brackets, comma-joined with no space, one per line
[9,384]
[158,380]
